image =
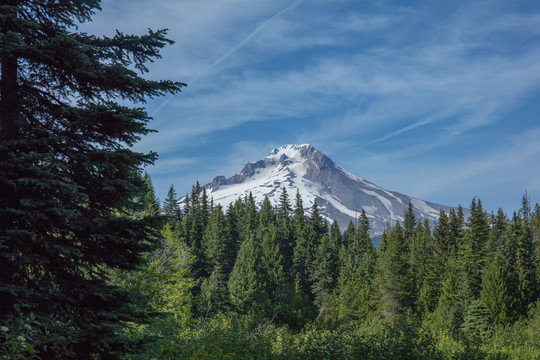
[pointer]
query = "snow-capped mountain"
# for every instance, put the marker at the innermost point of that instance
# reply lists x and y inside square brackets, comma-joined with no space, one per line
[340,194]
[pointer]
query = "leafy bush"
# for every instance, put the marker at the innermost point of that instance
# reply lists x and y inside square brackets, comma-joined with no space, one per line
[25,337]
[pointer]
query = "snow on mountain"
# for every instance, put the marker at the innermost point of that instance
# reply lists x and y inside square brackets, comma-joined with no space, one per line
[340,194]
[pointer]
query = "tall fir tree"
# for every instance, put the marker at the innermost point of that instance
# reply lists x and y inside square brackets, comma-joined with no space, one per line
[350,242]
[285,230]
[409,223]
[394,277]
[267,215]
[365,251]
[251,216]
[299,220]
[316,229]
[426,270]
[218,244]
[452,304]
[316,221]
[457,222]
[494,292]
[335,235]
[69,175]
[325,271]
[527,285]
[498,225]
[535,224]
[246,283]
[171,209]
[442,250]
[273,270]
[473,251]
[300,261]
[508,261]
[150,200]
[354,293]
[195,226]
[234,227]
[301,265]
[220,251]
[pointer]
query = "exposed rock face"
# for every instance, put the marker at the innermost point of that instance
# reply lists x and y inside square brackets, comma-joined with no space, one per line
[340,194]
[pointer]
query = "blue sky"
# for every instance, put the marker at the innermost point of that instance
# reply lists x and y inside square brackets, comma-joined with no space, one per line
[435,99]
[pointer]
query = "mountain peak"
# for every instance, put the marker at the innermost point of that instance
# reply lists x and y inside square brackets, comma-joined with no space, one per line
[291,151]
[340,194]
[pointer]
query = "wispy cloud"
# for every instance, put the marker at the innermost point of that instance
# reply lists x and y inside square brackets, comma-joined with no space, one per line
[232,50]
[392,84]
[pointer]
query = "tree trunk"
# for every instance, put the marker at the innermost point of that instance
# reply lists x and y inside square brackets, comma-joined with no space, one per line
[9,101]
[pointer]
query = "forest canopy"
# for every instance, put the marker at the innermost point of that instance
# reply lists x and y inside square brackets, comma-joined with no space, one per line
[278,282]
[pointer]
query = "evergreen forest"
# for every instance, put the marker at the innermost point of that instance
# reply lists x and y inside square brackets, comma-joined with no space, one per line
[94,266]
[273,282]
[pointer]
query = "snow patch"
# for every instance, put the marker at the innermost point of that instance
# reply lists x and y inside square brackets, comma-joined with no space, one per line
[340,206]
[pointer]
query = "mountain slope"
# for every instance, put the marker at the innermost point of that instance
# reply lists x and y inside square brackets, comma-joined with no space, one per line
[340,194]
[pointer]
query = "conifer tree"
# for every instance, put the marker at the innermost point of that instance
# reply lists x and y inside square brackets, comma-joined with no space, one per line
[442,250]
[69,175]
[508,261]
[393,276]
[285,231]
[234,226]
[273,269]
[457,221]
[350,242]
[527,286]
[220,254]
[325,271]
[194,224]
[284,208]
[475,322]
[535,224]
[251,216]
[335,235]
[474,247]
[218,245]
[450,311]
[237,214]
[316,221]
[499,223]
[316,228]
[494,292]
[166,278]
[353,293]
[409,223]
[266,214]
[187,218]
[150,201]
[246,283]
[171,207]
[442,237]
[299,221]
[426,269]
[366,251]
[301,263]
[364,221]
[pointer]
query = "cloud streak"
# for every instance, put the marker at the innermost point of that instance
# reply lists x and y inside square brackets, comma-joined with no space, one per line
[245,40]
[231,51]
[391,84]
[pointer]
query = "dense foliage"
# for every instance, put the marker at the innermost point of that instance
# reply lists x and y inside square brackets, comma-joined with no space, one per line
[70,184]
[276,283]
